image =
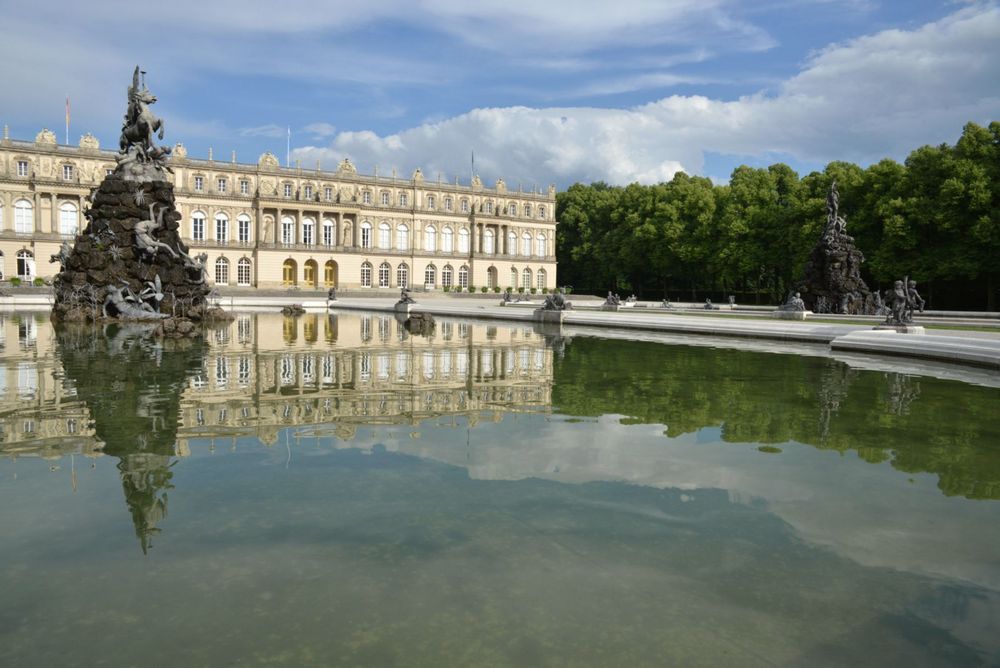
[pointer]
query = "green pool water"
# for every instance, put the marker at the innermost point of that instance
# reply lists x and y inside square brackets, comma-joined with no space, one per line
[336,491]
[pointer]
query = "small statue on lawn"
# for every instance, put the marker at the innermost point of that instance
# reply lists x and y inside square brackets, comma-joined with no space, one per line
[794,303]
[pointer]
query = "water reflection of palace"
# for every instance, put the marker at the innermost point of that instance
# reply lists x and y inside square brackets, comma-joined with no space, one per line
[261,374]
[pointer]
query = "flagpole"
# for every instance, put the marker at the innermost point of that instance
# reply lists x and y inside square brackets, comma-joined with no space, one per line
[67,120]
[288,148]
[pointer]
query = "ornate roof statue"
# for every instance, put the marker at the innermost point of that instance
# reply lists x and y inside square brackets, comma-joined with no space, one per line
[142,159]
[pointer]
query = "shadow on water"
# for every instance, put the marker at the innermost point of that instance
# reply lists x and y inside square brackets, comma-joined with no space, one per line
[132,383]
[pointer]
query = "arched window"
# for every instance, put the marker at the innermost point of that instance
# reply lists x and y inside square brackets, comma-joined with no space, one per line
[447,240]
[430,239]
[308,231]
[243,267]
[488,242]
[446,276]
[430,202]
[221,228]
[463,277]
[384,236]
[526,244]
[329,232]
[289,272]
[402,276]
[330,273]
[540,277]
[463,240]
[366,275]
[309,271]
[540,245]
[511,243]
[68,219]
[366,234]
[243,229]
[25,265]
[383,275]
[526,278]
[385,198]
[287,230]
[198,226]
[513,277]
[491,277]
[402,237]
[24,217]
[222,271]
[430,276]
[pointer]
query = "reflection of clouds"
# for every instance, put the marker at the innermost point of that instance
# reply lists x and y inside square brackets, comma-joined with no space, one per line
[869,513]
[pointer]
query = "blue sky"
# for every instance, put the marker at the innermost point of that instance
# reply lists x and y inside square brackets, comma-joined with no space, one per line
[543,92]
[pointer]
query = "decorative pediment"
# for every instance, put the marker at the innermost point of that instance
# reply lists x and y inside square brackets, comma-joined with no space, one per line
[268,160]
[46,136]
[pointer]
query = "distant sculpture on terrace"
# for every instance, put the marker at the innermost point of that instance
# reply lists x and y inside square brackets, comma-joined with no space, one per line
[793,303]
[556,301]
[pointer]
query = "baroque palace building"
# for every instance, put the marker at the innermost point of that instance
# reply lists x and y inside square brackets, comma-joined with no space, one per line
[267,226]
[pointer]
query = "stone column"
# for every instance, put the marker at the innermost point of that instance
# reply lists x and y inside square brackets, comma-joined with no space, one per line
[54,214]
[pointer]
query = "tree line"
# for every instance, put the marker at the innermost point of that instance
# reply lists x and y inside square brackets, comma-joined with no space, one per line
[935,218]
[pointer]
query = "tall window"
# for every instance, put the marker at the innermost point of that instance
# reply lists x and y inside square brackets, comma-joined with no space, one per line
[513,277]
[24,217]
[328,194]
[526,278]
[447,240]
[366,275]
[430,276]
[25,265]
[512,209]
[199,183]
[526,244]
[198,226]
[463,277]
[488,206]
[541,211]
[384,236]
[465,206]
[383,275]
[68,219]
[384,198]
[289,272]
[430,239]
[527,211]
[67,172]
[222,271]
[430,202]
[540,278]
[488,242]
[309,273]
[403,276]
[404,199]
[308,192]
[447,204]
[328,232]
[243,229]
[511,243]
[221,185]
[446,276]
[540,245]
[221,228]
[244,187]
[366,197]
[308,231]
[330,273]
[243,272]
[287,190]
[287,230]
[366,234]
[403,237]
[463,240]
[22,167]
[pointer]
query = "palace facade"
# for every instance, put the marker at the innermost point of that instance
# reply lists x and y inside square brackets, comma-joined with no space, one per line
[267,226]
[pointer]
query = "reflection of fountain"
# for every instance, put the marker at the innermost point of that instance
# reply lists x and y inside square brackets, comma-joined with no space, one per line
[131,383]
[835,380]
[903,390]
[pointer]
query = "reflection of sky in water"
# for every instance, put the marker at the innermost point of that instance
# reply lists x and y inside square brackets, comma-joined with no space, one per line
[569,539]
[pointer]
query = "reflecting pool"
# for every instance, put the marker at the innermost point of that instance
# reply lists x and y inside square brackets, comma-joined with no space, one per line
[328,490]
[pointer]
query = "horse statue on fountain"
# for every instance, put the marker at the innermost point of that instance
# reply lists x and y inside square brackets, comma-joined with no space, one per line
[137,145]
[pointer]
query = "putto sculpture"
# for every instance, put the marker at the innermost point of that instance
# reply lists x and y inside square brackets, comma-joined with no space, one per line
[130,262]
[902,300]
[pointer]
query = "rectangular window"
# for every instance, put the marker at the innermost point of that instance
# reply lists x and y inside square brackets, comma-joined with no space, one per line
[403,199]
[328,194]
[447,204]
[288,190]
[287,232]
[244,187]
[366,275]
[307,234]
[327,234]
[243,274]
[221,185]
[385,199]
[67,172]
[221,230]
[243,229]
[199,184]
[366,197]
[465,206]
[430,202]
[22,167]
[198,229]
[309,192]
